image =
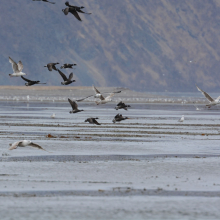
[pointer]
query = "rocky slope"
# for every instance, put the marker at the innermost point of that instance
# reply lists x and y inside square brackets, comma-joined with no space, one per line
[145,45]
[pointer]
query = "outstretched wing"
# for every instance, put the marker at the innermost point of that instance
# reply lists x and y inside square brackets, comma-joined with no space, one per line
[74,12]
[27,80]
[66,11]
[205,94]
[96,122]
[36,146]
[96,90]
[63,75]
[80,100]
[111,95]
[14,145]
[73,104]
[14,65]
[120,103]
[20,66]
[70,76]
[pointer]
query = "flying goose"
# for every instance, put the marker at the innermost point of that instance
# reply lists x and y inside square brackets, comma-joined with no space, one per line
[17,68]
[121,105]
[74,107]
[100,96]
[119,118]
[51,66]
[66,65]
[66,81]
[212,102]
[92,121]
[30,82]
[78,9]
[24,143]
[44,1]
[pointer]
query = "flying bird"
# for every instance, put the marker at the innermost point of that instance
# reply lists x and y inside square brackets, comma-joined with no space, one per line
[74,107]
[119,118]
[121,105]
[66,65]
[78,9]
[44,1]
[53,115]
[30,82]
[212,101]
[17,68]
[66,81]
[51,66]
[100,96]
[92,121]
[24,143]
[181,119]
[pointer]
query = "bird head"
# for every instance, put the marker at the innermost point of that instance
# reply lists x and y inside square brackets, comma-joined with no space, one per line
[113,120]
[86,120]
[62,83]
[26,84]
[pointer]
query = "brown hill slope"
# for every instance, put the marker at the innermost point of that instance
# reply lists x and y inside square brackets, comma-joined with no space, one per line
[141,44]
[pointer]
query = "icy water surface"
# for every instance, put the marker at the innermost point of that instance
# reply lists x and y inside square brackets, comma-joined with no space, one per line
[148,167]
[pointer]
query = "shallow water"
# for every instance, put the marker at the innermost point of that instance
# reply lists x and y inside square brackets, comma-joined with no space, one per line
[149,166]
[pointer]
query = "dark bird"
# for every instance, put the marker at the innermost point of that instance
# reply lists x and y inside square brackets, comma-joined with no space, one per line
[66,81]
[51,66]
[119,118]
[30,82]
[78,9]
[73,9]
[74,107]
[44,1]
[92,121]
[121,105]
[66,65]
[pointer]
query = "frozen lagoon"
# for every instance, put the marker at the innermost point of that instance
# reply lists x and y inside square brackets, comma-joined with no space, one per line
[150,166]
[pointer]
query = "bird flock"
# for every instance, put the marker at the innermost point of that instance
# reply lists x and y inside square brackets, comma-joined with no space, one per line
[67,80]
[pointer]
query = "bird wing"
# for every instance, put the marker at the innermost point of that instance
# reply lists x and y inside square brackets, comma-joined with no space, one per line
[20,66]
[49,66]
[63,75]
[79,100]
[96,90]
[54,67]
[14,145]
[70,76]
[74,12]
[120,103]
[36,146]
[205,94]
[14,65]
[111,95]
[27,80]
[96,122]
[66,11]
[73,104]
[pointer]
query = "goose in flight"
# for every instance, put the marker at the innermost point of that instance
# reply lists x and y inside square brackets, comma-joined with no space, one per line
[119,118]
[30,82]
[121,105]
[17,68]
[24,143]
[66,81]
[78,9]
[44,1]
[66,65]
[212,101]
[74,107]
[51,66]
[100,96]
[92,121]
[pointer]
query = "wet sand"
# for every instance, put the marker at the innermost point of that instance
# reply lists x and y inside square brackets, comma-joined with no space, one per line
[150,166]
